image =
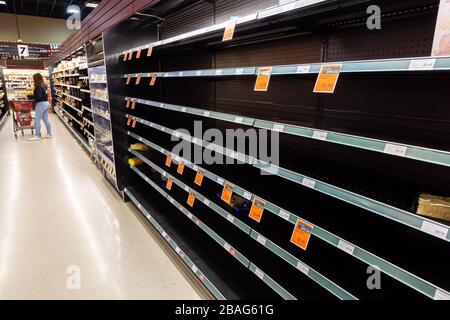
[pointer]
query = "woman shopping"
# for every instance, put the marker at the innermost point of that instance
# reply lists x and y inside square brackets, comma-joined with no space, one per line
[42,106]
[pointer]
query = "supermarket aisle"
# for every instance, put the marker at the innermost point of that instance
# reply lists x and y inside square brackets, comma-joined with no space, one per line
[58,216]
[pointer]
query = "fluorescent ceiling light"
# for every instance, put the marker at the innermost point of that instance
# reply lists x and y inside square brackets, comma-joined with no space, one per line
[3,2]
[91,5]
[73,9]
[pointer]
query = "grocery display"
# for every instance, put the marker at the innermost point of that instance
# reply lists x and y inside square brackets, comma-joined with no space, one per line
[342,170]
[101,108]
[19,82]
[71,94]
[304,150]
[3,98]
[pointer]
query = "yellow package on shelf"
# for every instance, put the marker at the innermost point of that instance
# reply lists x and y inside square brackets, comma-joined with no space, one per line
[434,206]
[134,162]
[139,147]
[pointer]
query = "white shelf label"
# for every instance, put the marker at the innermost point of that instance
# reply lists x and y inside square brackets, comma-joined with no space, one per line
[441,295]
[227,246]
[230,218]
[320,135]
[162,150]
[259,273]
[239,71]
[220,181]
[261,239]
[278,127]
[303,69]
[164,173]
[194,140]
[345,246]
[178,250]
[140,139]
[198,73]
[162,105]
[302,267]
[180,74]
[395,149]
[186,188]
[284,214]
[194,167]
[190,215]
[164,234]
[194,269]
[422,64]
[183,109]
[206,202]
[139,206]
[206,113]
[434,229]
[238,119]
[172,200]
[218,72]
[247,195]
[308,183]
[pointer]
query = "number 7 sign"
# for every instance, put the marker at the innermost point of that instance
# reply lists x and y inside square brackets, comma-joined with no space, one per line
[23,50]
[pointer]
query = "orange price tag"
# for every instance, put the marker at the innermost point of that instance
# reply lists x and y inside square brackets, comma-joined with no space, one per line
[138,54]
[153,79]
[134,123]
[199,177]
[125,56]
[227,192]
[138,79]
[128,104]
[229,30]
[191,198]
[180,168]
[128,80]
[168,160]
[129,121]
[263,79]
[257,209]
[169,184]
[327,79]
[133,104]
[149,52]
[301,234]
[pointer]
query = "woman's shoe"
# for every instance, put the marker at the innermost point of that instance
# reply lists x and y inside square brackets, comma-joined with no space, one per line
[49,136]
[35,139]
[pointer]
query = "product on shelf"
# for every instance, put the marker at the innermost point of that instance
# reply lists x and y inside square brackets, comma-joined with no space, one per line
[134,162]
[433,206]
[19,82]
[139,147]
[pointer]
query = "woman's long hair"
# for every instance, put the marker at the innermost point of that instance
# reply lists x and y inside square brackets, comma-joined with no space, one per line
[39,80]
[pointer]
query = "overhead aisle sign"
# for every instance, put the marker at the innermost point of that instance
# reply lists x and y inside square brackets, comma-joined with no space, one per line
[26,50]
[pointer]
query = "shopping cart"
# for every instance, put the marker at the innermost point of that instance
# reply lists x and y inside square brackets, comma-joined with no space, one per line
[22,117]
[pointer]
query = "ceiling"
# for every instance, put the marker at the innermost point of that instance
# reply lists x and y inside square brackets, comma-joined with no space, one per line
[46,8]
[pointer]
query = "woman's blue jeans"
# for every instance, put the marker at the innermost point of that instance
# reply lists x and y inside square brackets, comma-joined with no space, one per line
[42,114]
